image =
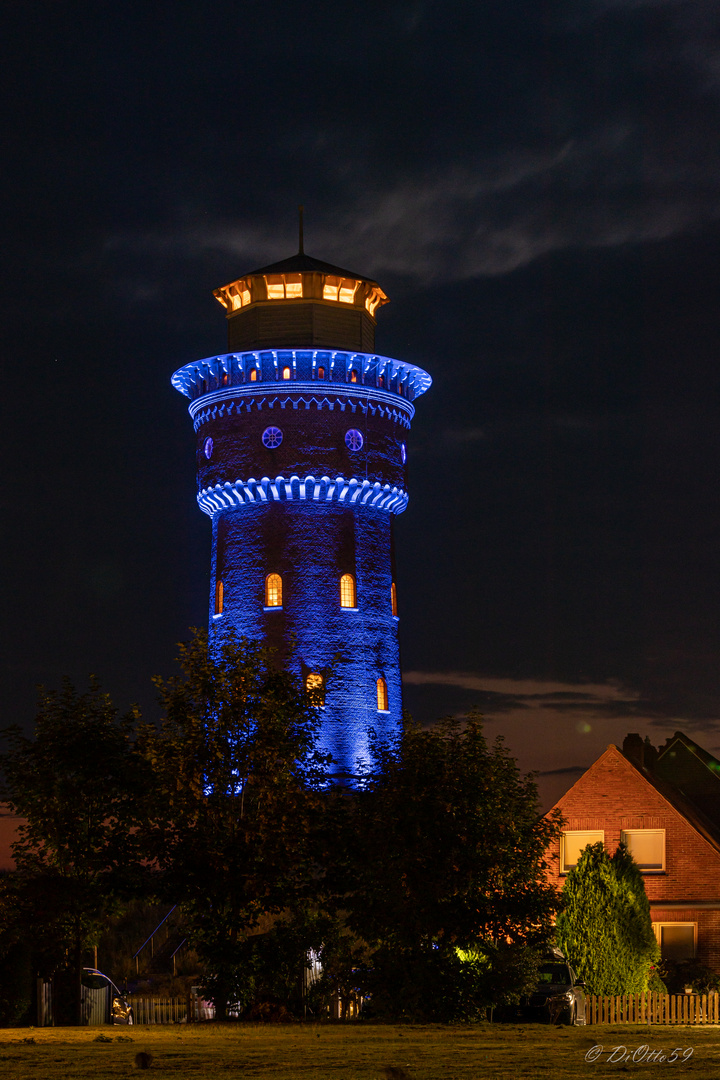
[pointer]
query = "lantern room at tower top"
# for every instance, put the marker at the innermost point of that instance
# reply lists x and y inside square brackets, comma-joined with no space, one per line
[301,301]
[301,458]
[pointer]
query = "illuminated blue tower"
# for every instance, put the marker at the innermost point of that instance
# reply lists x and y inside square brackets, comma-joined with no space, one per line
[301,461]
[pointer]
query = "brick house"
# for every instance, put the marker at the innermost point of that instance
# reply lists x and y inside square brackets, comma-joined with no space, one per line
[665,805]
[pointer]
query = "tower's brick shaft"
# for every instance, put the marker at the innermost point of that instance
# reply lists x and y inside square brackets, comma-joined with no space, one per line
[301,460]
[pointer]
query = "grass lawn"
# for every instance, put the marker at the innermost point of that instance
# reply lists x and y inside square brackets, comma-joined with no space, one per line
[362,1051]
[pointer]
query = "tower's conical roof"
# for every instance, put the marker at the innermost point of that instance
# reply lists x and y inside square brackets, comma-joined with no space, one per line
[301,263]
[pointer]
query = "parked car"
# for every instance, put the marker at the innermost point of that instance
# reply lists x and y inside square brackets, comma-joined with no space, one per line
[559,996]
[102,1002]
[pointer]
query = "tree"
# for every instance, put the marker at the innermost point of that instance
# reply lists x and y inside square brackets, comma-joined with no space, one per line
[235,813]
[76,784]
[446,857]
[604,927]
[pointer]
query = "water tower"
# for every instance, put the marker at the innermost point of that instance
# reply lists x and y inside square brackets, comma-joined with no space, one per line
[302,446]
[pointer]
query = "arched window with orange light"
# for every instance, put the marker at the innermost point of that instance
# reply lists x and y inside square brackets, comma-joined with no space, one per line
[286,373]
[353,375]
[273,591]
[253,374]
[382,696]
[315,686]
[321,372]
[348,594]
[393,599]
[219,597]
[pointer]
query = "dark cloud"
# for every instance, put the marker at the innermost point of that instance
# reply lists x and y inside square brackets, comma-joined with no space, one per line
[536,186]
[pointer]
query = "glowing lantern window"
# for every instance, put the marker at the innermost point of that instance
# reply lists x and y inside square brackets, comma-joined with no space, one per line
[372,301]
[321,373]
[273,591]
[393,599]
[237,295]
[353,375]
[382,696]
[347,291]
[353,439]
[348,597]
[219,597]
[342,289]
[208,448]
[253,374]
[283,286]
[315,685]
[275,287]
[286,373]
[272,437]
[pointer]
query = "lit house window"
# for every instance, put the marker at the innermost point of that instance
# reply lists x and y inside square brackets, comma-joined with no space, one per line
[273,590]
[382,696]
[393,598]
[315,685]
[647,847]
[253,374]
[347,591]
[321,373]
[353,375]
[572,844]
[219,597]
[286,373]
[677,940]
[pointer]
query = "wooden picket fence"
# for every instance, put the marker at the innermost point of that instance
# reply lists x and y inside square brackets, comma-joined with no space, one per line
[653,1008]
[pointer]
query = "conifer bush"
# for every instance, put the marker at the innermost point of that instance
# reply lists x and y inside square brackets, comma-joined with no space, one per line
[604,927]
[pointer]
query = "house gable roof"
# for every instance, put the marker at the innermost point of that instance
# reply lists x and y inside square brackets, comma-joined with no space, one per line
[677,800]
[693,772]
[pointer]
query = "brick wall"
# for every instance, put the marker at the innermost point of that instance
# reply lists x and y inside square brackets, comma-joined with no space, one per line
[613,795]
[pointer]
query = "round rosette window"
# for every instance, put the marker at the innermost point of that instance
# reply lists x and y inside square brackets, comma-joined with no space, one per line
[272,437]
[403,452]
[208,448]
[353,439]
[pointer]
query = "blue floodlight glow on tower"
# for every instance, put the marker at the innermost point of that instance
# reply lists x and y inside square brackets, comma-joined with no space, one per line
[301,434]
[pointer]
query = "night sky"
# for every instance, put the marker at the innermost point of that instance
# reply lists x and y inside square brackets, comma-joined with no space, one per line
[536,186]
